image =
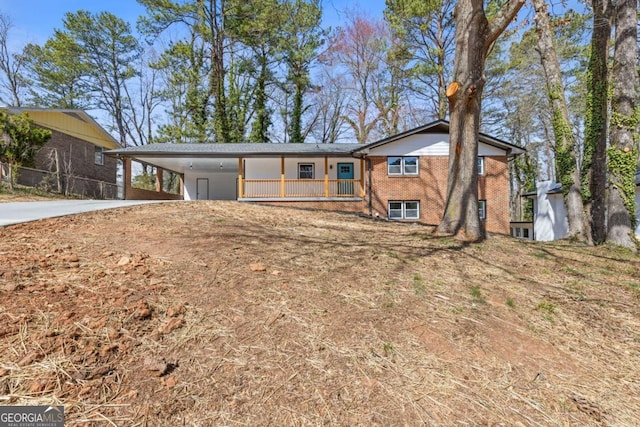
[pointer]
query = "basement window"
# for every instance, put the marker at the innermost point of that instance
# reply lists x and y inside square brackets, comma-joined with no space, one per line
[404,209]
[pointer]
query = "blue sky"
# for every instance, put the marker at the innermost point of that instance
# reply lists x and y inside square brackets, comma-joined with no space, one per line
[34,20]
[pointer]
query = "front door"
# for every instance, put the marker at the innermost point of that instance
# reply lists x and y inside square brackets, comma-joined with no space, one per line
[202,188]
[345,179]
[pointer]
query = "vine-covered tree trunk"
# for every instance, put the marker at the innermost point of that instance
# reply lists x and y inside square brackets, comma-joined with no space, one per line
[594,175]
[260,127]
[215,17]
[474,37]
[566,164]
[623,153]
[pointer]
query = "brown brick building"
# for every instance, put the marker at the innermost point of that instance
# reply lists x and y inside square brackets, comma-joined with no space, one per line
[403,177]
[74,155]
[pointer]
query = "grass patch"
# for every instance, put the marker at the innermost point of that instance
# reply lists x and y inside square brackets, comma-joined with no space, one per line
[547,309]
[394,255]
[418,284]
[510,303]
[476,293]
[387,348]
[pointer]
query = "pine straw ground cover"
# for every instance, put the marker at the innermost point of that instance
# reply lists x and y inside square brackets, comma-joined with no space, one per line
[220,313]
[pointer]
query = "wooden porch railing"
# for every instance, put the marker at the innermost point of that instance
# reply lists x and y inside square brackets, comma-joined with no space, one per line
[276,188]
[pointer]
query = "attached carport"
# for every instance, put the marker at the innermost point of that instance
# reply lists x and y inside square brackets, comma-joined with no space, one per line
[203,174]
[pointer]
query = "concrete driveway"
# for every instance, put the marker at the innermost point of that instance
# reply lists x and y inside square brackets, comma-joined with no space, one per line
[15,213]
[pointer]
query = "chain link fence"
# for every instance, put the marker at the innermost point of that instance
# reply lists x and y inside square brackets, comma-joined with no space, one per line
[63,183]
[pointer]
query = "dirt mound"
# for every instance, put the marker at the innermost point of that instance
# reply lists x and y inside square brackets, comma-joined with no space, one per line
[215,313]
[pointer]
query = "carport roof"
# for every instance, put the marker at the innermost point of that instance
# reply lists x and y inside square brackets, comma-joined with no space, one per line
[236,150]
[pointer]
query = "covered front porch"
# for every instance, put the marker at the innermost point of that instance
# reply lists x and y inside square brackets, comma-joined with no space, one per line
[300,178]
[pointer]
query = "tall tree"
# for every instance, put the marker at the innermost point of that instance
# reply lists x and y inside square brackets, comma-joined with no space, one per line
[303,36]
[183,70]
[19,141]
[143,100]
[108,49]
[474,36]
[565,153]
[427,31]
[12,82]
[357,51]
[258,24]
[594,179]
[58,76]
[205,48]
[328,105]
[623,153]
[390,83]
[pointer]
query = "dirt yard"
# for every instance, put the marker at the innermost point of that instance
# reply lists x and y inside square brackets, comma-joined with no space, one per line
[219,313]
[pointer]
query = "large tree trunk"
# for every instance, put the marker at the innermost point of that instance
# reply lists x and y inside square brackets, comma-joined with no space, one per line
[474,37]
[214,12]
[594,176]
[567,171]
[623,154]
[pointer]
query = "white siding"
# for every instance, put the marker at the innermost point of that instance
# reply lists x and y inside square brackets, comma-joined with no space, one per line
[550,214]
[222,185]
[430,144]
[270,168]
[261,168]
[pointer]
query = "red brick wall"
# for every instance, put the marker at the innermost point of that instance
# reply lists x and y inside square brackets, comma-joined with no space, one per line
[430,187]
[79,155]
[493,187]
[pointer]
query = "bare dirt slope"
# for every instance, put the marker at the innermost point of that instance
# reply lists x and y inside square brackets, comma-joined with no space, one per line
[219,313]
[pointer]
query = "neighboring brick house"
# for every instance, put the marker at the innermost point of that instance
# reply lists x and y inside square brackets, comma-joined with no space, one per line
[74,154]
[403,177]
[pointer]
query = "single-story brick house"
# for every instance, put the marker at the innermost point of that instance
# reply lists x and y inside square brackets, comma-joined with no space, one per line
[76,151]
[403,177]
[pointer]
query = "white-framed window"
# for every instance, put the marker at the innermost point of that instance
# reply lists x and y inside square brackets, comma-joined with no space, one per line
[404,209]
[99,156]
[480,165]
[482,209]
[402,165]
[305,170]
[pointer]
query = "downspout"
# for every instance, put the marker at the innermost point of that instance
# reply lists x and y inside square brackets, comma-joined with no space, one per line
[369,186]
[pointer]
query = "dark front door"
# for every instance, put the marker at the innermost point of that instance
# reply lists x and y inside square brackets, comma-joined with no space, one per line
[345,179]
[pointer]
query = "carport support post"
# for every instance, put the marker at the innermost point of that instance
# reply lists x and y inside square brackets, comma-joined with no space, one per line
[282,176]
[159,179]
[326,176]
[361,177]
[240,191]
[127,177]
